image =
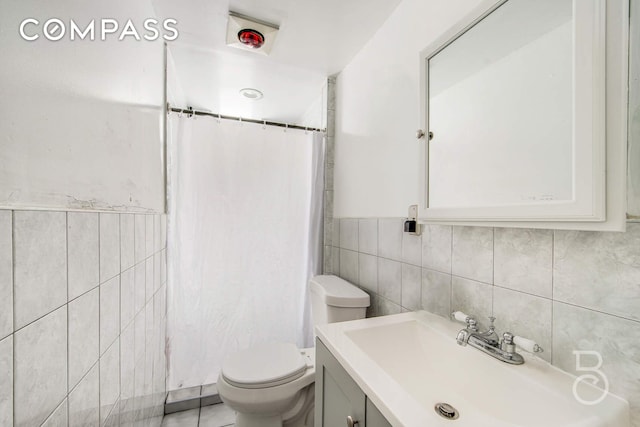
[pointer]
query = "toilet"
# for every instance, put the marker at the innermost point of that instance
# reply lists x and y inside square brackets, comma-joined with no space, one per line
[272,384]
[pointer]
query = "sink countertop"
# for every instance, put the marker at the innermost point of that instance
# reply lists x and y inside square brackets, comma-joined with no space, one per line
[406,363]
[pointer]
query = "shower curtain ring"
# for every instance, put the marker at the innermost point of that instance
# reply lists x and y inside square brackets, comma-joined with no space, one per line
[264,124]
[218,118]
[286,126]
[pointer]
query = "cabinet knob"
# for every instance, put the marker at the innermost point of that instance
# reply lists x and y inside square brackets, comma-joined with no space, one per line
[351,422]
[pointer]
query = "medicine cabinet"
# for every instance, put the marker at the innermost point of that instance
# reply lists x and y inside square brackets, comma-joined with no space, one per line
[516,100]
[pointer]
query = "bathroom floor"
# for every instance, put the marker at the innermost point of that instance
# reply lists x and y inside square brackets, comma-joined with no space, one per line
[208,416]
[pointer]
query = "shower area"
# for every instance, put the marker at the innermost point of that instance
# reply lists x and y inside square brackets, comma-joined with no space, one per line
[245,235]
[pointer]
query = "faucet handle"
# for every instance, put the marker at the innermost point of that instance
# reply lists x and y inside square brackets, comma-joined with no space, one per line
[471,322]
[507,344]
[527,345]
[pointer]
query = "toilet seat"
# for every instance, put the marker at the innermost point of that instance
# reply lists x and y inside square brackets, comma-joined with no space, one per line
[264,365]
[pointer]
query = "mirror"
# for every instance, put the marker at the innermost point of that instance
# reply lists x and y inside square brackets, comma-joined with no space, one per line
[514,101]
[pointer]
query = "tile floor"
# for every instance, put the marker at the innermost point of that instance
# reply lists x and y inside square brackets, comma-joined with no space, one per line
[208,416]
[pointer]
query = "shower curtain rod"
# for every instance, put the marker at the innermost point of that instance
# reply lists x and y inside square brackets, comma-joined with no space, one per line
[190,111]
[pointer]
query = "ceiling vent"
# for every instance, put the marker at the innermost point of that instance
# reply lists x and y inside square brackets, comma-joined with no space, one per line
[250,34]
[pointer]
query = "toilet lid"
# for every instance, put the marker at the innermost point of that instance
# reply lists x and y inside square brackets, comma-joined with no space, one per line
[264,365]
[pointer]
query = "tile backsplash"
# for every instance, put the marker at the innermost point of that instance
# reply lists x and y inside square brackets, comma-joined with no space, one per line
[567,290]
[82,318]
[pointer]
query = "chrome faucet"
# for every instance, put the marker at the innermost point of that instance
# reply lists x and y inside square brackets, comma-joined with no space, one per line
[488,341]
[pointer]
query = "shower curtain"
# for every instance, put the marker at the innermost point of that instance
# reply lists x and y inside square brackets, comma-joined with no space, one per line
[245,218]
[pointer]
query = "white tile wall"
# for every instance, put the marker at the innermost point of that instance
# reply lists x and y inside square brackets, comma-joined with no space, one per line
[6,379]
[567,290]
[40,264]
[6,275]
[68,341]
[83,252]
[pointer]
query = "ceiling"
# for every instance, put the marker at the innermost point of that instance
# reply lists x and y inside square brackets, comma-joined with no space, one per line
[317,38]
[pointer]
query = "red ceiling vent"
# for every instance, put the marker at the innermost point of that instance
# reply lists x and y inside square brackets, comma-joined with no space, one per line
[251,38]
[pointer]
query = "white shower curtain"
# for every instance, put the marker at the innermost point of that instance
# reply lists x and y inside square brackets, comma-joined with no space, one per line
[245,215]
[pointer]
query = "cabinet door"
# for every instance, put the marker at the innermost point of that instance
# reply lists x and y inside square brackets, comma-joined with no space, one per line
[337,395]
[374,417]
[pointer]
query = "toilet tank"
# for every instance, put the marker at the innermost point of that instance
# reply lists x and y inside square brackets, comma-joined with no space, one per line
[335,300]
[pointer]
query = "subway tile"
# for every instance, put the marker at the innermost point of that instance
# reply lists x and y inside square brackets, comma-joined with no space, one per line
[436,292]
[390,238]
[335,260]
[523,260]
[6,379]
[109,380]
[372,310]
[149,285]
[216,415]
[163,267]
[615,339]
[390,279]
[127,363]
[127,241]
[59,417]
[83,256]
[349,266]
[473,298]
[149,234]
[127,297]
[6,275]
[84,335]
[437,247]
[368,236]
[113,419]
[157,237]
[599,270]
[84,400]
[40,368]
[139,273]
[157,265]
[473,253]
[349,234]
[109,313]
[139,250]
[411,287]
[188,418]
[109,246]
[368,268]
[327,267]
[411,249]
[335,232]
[525,315]
[40,269]
[387,307]
[163,231]
[139,337]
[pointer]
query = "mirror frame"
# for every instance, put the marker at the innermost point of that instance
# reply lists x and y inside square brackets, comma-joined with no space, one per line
[589,126]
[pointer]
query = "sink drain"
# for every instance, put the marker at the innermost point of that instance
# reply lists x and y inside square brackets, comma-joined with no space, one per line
[446,411]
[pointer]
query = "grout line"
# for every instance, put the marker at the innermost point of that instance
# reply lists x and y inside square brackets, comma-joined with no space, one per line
[553,260]
[13,326]
[66,230]
[99,328]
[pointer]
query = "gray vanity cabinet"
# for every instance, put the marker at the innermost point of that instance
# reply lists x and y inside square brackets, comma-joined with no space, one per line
[338,397]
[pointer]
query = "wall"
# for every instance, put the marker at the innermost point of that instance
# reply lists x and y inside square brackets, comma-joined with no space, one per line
[568,290]
[378,99]
[82,121]
[82,318]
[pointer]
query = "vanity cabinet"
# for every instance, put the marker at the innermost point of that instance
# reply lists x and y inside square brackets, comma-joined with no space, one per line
[338,397]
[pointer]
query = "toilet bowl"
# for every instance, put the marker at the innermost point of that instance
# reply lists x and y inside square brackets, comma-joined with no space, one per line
[272,384]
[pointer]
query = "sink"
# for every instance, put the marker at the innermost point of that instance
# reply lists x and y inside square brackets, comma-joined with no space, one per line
[408,363]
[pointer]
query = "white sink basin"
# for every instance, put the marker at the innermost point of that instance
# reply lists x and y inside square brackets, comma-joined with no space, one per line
[408,363]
